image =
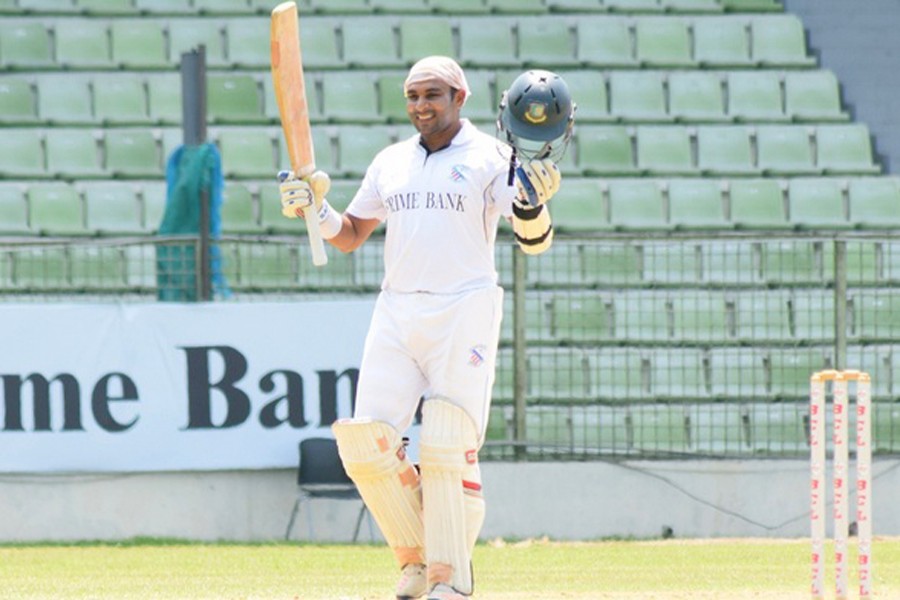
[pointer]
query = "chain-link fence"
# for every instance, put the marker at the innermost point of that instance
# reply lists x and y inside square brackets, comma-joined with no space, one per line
[613,346]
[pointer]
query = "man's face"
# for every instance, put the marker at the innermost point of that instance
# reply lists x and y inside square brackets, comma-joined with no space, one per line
[431,106]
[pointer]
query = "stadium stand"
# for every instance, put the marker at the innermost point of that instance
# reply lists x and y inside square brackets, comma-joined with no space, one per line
[714,172]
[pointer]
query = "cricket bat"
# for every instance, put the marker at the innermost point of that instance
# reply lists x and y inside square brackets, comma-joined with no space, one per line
[290,92]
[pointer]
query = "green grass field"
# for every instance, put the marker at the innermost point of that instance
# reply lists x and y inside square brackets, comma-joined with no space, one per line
[663,570]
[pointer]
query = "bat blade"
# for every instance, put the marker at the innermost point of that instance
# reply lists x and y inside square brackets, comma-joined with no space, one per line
[290,93]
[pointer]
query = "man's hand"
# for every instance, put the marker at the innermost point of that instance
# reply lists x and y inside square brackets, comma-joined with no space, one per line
[538,181]
[297,194]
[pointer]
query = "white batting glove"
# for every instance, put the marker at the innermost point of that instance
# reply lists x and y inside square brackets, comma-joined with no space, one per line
[538,181]
[297,194]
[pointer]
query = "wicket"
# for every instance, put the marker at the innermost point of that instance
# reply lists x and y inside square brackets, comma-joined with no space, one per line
[818,442]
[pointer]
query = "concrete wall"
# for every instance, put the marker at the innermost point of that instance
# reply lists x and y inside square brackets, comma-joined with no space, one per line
[575,501]
[857,40]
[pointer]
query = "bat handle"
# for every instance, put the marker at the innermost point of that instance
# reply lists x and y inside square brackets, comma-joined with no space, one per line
[316,244]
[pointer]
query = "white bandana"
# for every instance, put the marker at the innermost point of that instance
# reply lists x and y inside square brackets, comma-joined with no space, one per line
[442,68]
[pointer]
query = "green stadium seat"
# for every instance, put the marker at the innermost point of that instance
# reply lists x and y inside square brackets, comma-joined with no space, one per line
[223,7]
[701,316]
[817,203]
[661,427]
[55,209]
[39,268]
[186,35]
[636,204]
[582,207]
[605,43]
[757,203]
[753,5]
[424,36]
[588,87]
[460,6]
[618,375]
[638,96]
[391,101]
[264,267]
[725,150]
[845,149]
[755,96]
[234,98]
[132,154]
[813,96]
[663,42]
[74,106]
[605,150]
[342,192]
[120,99]
[247,153]
[139,44]
[729,263]
[400,6]
[25,45]
[326,157]
[692,6]
[575,6]
[617,264]
[875,202]
[484,47]
[778,428]
[546,43]
[886,424]
[762,317]
[239,210]
[22,154]
[164,97]
[581,317]
[664,150]
[84,44]
[813,312]
[349,97]
[371,42]
[668,263]
[112,208]
[248,43]
[558,375]
[518,7]
[481,105]
[676,374]
[319,46]
[785,150]
[358,145]
[98,268]
[641,316]
[13,209]
[695,96]
[74,153]
[797,262]
[164,7]
[45,6]
[17,101]
[790,370]
[876,314]
[737,373]
[633,6]
[106,7]
[340,7]
[779,41]
[696,204]
[340,273]
[721,42]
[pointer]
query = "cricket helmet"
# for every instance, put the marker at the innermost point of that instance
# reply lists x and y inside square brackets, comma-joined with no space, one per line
[537,115]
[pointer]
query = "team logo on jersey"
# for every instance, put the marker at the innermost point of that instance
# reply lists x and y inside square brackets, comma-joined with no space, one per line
[536,113]
[456,173]
[477,355]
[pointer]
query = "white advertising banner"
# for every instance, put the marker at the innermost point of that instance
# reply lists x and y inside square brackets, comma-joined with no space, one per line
[161,387]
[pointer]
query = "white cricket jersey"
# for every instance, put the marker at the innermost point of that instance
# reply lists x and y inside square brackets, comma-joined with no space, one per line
[441,211]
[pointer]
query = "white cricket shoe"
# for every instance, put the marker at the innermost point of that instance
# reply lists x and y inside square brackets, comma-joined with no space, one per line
[413,582]
[442,591]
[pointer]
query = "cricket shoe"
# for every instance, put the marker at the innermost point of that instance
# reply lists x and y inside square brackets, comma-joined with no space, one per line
[442,591]
[413,582]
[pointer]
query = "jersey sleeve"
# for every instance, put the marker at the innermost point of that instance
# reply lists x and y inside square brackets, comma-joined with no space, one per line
[367,203]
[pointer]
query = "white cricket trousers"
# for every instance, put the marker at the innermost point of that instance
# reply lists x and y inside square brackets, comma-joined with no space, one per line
[431,345]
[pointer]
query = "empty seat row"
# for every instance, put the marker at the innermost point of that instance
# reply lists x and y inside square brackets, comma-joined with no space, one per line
[377,97]
[245,7]
[734,150]
[813,203]
[395,41]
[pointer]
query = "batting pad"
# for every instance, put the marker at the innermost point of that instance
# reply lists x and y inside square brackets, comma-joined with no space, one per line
[451,487]
[375,459]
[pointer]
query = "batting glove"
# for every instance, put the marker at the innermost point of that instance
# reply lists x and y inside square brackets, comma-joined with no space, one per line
[538,181]
[297,194]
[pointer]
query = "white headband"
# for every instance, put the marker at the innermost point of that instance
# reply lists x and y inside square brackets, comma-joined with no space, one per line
[441,68]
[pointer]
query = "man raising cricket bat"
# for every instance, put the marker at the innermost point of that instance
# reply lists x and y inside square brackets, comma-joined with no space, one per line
[436,324]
